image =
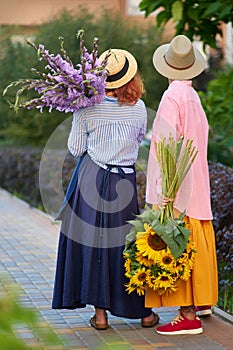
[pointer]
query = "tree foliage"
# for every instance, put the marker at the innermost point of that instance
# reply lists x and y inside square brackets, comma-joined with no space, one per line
[201,19]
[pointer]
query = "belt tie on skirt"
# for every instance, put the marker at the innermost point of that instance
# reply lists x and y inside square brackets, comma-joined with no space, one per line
[103,192]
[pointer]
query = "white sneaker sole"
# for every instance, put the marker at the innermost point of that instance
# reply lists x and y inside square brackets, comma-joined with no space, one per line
[184,331]
[204,312]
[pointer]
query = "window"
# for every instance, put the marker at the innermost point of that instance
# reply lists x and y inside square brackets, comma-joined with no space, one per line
[132,8]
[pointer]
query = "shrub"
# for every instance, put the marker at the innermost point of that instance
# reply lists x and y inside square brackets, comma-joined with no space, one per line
[221,183]
[218,104]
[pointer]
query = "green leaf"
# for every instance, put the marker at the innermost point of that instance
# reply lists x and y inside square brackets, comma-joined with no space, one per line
[12,312]
[144,215]
[9,343]
[168,227]
[154,215]
[182,215]
[225,14]
[150,6]
[177,11]
[162,18]
[149,214]
[213,9]
[185,231]
[193,13]
[130,238]
[143,5]
[155,222]
[138,226]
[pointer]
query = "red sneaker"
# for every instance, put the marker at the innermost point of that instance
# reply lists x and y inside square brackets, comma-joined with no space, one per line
[203,310]
[181,325]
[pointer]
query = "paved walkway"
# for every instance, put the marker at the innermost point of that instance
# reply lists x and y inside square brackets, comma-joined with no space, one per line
[28,241]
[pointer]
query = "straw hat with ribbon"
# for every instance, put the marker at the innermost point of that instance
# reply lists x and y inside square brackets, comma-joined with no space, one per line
[121,67]
[179,60]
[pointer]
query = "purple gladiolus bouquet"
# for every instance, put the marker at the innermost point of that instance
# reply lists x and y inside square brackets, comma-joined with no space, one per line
[63,86]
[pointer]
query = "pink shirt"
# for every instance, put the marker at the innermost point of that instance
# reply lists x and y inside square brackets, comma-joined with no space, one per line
[180,113]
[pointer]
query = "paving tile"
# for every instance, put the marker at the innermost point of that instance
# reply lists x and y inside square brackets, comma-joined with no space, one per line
[28,245]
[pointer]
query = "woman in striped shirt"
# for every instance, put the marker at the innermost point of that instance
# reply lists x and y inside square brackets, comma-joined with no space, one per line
[101,199]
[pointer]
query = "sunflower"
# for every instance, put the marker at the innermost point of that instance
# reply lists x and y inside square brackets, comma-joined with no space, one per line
[130,287]
[149,244]
[143,260]
[140,291]
[190,249]
[150,280]
[182,260]
[191,261]
[164,281]
[139,278]
[126,255]
[127,265]
[167,291]
[166,260]
[186,273]
[190,246]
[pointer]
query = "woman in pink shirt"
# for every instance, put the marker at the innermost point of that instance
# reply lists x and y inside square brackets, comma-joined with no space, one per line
[180,113]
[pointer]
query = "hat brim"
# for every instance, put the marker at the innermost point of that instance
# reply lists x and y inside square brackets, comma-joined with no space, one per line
[177,74]
[131,72]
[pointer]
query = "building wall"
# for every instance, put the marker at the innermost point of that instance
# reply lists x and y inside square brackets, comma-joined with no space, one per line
[34,12]
[30,13]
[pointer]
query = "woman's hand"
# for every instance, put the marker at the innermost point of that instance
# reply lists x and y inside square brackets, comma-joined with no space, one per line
[163,201]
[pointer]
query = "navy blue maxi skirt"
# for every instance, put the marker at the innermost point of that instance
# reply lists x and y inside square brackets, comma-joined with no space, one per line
[90,264]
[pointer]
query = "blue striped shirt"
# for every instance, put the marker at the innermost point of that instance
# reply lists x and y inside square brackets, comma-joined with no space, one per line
[110,132]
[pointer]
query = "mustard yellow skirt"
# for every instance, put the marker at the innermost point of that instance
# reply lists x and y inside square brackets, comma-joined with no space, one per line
[202,286]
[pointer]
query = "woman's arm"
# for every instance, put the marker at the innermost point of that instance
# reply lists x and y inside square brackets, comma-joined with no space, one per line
[77,141]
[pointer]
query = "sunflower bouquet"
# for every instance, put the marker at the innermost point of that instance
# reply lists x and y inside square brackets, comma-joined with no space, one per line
[159,252]
[62,85]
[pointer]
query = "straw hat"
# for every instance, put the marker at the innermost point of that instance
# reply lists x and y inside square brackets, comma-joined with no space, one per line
[121,68]
[179,60]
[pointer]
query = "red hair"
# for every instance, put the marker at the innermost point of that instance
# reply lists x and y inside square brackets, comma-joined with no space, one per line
[131,92]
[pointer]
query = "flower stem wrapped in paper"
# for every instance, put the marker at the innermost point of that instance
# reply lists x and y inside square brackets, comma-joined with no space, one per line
[64,86]
[159,251]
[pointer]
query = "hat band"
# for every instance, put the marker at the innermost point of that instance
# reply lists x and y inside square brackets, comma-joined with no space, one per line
[120,74]
[177,68]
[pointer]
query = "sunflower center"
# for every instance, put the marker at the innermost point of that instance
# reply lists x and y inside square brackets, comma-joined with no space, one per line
[156,243]
[164,278]
[190,255]
[167,260]
[142,276]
